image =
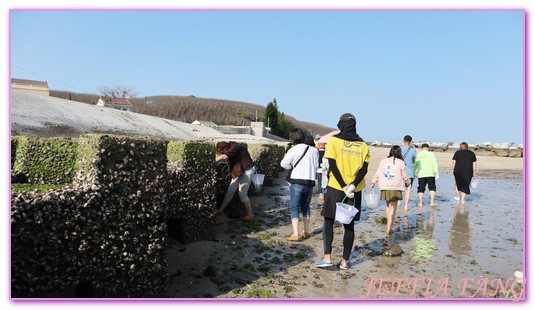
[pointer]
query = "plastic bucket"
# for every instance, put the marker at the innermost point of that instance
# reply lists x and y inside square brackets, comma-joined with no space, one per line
[257,179]
[371,199]
[345,212]
[473,183]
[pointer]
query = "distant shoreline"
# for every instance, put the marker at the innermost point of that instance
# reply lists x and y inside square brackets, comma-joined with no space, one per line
[487,166]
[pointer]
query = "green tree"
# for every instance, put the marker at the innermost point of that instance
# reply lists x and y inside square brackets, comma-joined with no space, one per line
[276,120]
[284,126]
[271,116]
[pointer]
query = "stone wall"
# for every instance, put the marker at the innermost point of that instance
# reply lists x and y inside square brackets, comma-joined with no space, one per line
[105,234]
[190,190]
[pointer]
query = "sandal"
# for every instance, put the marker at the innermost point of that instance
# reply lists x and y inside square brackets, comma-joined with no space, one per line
[344,267]
[248,218]
[322,264]
[293,238]
[304,235]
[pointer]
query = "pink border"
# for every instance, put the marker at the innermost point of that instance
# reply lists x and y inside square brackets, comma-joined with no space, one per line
[284,300]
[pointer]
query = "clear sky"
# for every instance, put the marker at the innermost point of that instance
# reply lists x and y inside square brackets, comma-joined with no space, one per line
[443,75]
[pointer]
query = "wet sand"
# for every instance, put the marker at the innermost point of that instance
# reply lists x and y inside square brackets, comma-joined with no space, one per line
[450,251]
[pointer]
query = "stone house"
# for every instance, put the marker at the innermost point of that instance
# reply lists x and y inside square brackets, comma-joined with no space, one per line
[122,104]
[36,87]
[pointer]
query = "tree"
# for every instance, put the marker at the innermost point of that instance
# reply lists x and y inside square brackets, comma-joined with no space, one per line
[271,115]
[117,92]
[276,120]
[284,126]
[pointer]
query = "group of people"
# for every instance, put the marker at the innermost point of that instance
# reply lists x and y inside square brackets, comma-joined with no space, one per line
[347,157]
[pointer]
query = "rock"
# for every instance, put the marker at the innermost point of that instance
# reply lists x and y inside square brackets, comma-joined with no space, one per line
[393,250]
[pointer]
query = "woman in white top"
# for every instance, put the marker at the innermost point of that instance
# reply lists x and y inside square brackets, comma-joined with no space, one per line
[302,161]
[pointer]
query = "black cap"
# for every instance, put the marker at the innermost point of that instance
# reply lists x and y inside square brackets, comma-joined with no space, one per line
[425,145]
[347,116]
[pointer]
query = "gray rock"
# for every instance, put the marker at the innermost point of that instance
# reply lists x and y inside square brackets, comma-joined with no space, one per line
[393,250]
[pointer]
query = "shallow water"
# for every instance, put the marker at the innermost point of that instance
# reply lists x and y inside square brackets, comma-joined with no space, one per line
[481,240]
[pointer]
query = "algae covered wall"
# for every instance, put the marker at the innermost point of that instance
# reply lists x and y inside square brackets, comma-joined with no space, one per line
[105,234]
[191,190]
[43,161]
[267,158]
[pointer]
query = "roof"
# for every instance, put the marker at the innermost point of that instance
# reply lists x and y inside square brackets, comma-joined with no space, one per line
[116,101]
[31,83]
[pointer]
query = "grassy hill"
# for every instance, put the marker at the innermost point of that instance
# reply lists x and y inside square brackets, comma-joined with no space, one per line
[189,108]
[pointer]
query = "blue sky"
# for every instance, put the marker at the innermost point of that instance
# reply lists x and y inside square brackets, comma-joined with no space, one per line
[439,75]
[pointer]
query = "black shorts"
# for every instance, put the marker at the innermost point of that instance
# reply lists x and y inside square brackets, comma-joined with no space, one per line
[429,181]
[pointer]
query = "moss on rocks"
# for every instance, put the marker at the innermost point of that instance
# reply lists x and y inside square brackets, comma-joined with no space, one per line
[267,158]
[44,161]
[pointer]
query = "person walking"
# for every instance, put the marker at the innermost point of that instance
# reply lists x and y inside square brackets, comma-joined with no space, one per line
[319,173]
[426,167]
[409,156]
[302,162]
[392,177]
[348,157]
[241,168]
[464,169]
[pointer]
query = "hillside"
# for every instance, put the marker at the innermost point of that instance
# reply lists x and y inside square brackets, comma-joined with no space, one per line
[190,108]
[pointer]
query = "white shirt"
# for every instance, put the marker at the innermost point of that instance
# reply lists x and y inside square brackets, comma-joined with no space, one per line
[306,169]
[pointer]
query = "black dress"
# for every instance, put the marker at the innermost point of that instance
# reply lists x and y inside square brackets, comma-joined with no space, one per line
[464,169]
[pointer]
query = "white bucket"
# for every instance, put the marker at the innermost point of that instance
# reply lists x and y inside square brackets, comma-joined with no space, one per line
[345,212]
[473,183]
[371,199]
[257,179]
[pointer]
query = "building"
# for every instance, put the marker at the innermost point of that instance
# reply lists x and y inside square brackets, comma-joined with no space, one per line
[36,87]
[115,103]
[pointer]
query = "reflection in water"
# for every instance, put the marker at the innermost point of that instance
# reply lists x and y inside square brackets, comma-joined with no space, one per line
[423,244]
[460,241]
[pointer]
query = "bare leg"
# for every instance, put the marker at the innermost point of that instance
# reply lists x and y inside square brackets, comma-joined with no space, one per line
[407,197]
[306,223]
[249,210]
[463,197]
[295,227]
[456,193]
[432,195]
[420,199]
[394,206]
[224,204]
[389,216]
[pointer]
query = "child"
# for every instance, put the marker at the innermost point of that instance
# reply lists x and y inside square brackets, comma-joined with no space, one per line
[391,176]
